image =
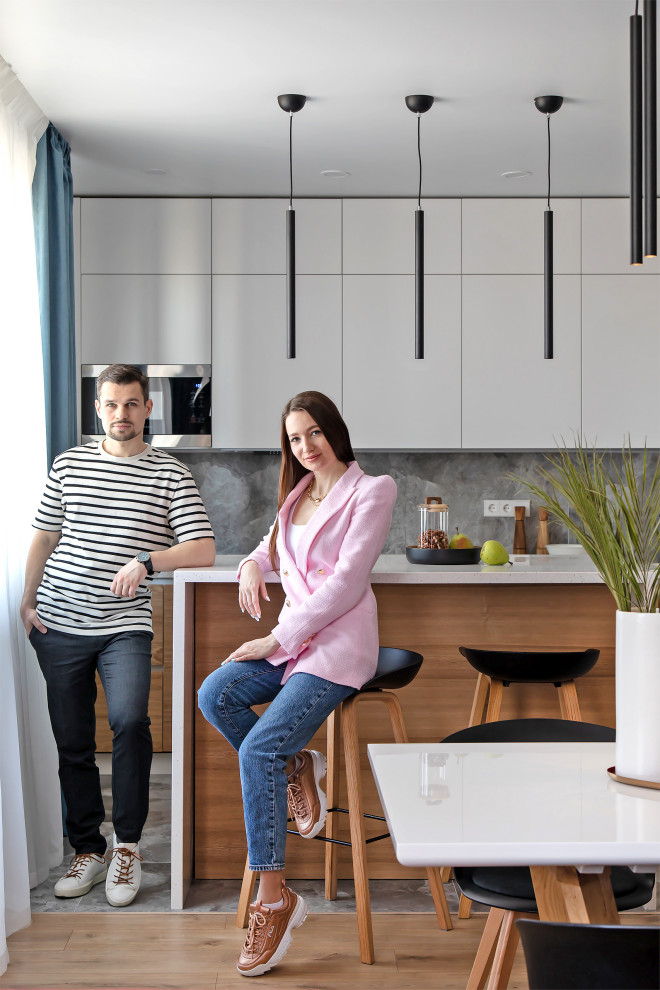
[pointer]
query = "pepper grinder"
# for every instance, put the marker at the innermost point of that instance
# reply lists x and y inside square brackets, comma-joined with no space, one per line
[519,539]
[543,534]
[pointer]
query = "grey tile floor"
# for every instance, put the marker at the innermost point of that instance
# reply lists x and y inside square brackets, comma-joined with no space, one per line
[216,895]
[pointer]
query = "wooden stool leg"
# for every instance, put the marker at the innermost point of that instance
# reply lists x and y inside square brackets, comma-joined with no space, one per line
[245,899]
[445,874]
[486,951]
[479,700]
[568,701]
[494,700]
[433,873]
[358,848]
[333,728]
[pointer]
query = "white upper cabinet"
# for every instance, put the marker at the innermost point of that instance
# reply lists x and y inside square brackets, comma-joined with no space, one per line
[252,376]
[505,236]
[146,236]
[606,239]
[249,236]
[621,360]
[512,397]
[379,236]
[392,400]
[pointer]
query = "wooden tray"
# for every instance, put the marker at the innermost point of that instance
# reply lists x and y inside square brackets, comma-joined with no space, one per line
[655,784]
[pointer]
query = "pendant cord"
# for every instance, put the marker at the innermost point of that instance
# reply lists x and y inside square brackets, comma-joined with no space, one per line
[291,161]
[419,155]
[548,115]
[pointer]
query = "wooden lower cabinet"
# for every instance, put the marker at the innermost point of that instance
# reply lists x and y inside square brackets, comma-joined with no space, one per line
[434,620]
[160,698]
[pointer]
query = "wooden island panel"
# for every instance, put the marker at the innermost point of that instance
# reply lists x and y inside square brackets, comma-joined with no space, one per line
[434,620]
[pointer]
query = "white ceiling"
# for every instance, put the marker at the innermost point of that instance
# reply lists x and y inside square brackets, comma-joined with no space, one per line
[190,86]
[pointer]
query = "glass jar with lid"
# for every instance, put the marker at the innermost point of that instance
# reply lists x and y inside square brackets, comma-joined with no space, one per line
[433,524]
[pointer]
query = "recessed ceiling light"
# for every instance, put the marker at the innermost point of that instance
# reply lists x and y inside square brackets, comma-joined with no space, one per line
[515,175]
[335,173]
[156,171]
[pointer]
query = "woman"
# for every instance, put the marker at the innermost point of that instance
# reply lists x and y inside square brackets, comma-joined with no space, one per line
[331,525]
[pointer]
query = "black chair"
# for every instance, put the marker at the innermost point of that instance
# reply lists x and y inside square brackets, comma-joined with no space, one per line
[499,668]
[590,957]
[508,890]
[396,668]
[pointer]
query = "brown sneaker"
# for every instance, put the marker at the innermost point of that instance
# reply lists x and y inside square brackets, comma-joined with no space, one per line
[269,933]
[307,802]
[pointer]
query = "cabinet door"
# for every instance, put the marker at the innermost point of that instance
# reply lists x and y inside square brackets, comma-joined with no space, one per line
[146,236]
[146,319]
[606,239]
[249,236]
[392,400]
[252,376]
[505,236]
[621,360]
[379,236]
[512,397]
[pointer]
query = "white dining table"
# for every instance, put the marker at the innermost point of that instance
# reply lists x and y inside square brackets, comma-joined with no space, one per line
[549,806]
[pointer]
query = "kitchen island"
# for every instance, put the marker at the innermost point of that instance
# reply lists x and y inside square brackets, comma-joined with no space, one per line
[542,603]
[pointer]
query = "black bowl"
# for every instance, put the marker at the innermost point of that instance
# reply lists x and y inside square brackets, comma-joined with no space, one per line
[415,555]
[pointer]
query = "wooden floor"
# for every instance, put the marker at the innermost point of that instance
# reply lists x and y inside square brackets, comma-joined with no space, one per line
[198,952]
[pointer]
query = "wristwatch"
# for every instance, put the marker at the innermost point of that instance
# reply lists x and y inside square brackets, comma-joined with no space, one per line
[144,557]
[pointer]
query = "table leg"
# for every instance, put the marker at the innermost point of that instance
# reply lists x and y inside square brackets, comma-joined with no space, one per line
[563,894]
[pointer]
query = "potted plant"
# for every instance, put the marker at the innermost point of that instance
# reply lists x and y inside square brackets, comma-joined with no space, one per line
[612,507]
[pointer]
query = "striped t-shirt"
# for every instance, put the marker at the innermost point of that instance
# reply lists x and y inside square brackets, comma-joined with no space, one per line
[108,509]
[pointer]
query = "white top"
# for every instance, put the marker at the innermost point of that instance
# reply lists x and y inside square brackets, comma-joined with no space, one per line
[514,804]
[294,532]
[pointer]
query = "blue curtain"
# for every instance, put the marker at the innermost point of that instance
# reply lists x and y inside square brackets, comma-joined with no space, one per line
[52,207]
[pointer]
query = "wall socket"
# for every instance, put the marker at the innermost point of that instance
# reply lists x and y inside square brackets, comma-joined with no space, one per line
[504,506]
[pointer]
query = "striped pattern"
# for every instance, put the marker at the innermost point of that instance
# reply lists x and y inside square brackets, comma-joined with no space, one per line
[108,509]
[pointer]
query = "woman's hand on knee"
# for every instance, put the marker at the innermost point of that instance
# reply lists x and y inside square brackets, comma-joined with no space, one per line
[251,584]
[255,649]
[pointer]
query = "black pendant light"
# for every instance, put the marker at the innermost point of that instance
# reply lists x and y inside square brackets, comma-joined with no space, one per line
[291,103]
[419,104]
[643,135]
[650,132]
[636,140]
[548,105]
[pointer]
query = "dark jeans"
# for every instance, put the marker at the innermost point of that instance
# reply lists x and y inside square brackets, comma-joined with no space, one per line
[69,663]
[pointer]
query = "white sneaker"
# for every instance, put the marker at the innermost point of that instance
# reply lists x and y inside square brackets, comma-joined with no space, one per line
[85,870]
[124,872]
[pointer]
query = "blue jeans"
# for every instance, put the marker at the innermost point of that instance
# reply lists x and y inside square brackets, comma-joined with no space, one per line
[264,744]
[69,664]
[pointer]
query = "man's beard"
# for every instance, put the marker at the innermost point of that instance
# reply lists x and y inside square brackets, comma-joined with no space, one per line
[129,434]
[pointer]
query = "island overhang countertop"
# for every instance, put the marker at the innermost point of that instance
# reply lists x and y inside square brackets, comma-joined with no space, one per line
[395,569]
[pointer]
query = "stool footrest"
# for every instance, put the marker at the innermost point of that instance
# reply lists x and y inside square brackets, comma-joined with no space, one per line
[344,811]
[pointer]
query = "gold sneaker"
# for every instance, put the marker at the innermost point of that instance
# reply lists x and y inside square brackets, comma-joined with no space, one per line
[307,802]
[269,933]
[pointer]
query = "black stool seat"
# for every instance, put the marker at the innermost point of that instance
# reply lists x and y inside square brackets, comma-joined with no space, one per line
[395,669]
[533,730]
[511,888]
[531,668]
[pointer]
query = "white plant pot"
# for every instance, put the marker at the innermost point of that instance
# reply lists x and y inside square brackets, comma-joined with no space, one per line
[638,695]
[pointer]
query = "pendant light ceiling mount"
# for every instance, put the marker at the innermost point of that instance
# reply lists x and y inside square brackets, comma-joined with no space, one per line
[548,104]
[419,103]
[291,102]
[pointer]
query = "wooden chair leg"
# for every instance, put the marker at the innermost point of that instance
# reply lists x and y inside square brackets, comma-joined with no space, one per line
[445,874]
[333,728]
[568,701]
[505,950]
[464,907]
[358,847]
[486,952]
[246,895]
[494,700]
[479,700]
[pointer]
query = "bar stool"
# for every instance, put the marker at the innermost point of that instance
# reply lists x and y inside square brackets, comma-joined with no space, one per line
[499,668]
[396,668]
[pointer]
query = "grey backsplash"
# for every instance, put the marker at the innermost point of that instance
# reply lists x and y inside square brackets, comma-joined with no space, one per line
[240,493]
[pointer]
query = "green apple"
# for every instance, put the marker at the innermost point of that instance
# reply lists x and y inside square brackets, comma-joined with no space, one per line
[494,553]
[460,541]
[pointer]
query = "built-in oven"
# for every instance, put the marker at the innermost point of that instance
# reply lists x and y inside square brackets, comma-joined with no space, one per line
[181,396]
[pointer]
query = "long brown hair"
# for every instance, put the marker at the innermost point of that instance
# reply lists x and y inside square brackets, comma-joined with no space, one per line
[328,418]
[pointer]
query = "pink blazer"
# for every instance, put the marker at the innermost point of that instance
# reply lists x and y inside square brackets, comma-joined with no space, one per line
[328,625]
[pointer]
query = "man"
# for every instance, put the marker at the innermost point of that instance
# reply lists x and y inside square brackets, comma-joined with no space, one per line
[106,523]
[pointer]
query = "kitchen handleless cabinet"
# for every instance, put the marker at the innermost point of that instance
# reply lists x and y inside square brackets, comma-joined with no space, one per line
[146,236]
[392,400]
[621,360]
[512,397]
[606,240]
[505,236]
[249,236]
[379,236]
[252,376]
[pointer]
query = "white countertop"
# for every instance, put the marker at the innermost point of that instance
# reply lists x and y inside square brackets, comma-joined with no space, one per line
[395,569]
[512,804]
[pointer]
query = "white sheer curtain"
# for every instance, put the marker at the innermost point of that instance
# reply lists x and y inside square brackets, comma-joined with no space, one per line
[30,811]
